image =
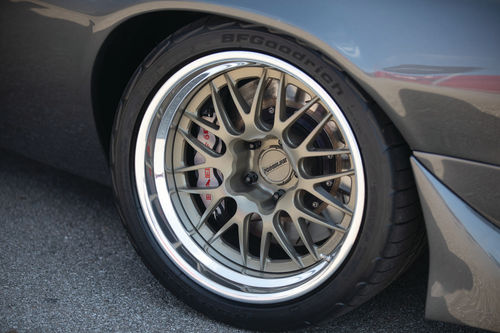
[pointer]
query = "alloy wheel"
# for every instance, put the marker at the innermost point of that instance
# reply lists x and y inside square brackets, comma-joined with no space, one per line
[249,177]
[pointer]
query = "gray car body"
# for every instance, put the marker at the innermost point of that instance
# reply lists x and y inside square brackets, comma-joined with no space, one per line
[432,66]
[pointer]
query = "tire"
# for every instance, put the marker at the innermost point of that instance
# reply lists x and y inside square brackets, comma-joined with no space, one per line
[292,275]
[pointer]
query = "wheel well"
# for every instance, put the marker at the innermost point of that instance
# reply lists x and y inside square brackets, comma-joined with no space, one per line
[123,51]
[119,56]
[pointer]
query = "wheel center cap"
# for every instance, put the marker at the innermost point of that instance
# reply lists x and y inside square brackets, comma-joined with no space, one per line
[274,166]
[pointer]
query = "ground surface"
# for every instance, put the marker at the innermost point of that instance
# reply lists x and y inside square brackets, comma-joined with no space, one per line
[66,265]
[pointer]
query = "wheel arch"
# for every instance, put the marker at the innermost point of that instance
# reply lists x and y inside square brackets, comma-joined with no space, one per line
[121,53]
[136,29]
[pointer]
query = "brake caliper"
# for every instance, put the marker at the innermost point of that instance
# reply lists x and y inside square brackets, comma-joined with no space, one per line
[208,177]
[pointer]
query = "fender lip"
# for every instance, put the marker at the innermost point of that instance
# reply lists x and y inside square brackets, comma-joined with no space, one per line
[464,269]
[474,182]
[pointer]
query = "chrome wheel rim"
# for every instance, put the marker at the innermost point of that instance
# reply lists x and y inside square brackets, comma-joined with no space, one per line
[289,198]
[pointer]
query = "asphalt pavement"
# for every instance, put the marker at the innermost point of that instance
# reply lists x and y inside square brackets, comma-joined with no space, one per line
[66,265]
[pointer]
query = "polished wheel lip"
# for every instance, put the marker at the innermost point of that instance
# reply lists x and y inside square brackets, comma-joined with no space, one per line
[272,289]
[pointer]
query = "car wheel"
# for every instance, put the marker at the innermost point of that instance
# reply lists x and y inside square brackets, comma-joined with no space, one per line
[257,182]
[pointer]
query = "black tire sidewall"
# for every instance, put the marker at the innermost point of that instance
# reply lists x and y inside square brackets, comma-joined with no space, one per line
[333,296]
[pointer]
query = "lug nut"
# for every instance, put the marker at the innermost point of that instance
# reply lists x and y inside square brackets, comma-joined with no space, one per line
[278,194]
[271,110]
[251,178]
[330,157]
[329,183]
[315,204]
[254,145]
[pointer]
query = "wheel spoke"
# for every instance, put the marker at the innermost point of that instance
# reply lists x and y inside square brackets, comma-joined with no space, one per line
[220,111]
[202,122]
[324,153]
[239,101]
[206,152]
[316,130]
[222,230]
[281,237]
[198,190]
[256,108]
[265,242]
[325,178]
[191,168]
[305,235]
[326,197]
[297,114]
[243,229]
[280,109]
[312,217]
[208,211]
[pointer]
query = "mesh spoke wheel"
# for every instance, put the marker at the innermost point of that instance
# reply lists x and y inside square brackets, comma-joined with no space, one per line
[272,209]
